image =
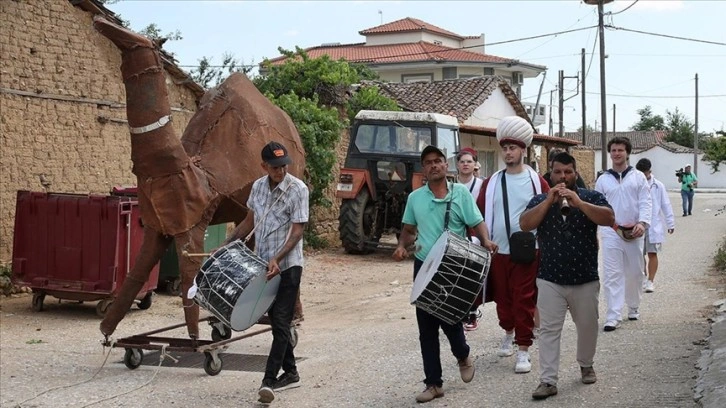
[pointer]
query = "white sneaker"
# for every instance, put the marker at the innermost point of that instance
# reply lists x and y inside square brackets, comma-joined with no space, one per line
[611,325]
[506,349]
[633,313]
[649,286]
[523,364]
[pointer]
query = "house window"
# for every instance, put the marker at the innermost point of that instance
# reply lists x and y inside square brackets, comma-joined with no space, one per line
[409,78]
[488,71]
[449,72]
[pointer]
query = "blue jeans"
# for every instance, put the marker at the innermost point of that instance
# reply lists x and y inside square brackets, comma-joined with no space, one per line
[281,314]
[687,197]
[428,335]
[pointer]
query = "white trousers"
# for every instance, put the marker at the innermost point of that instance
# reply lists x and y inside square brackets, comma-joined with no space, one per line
[622,276]
[553,301]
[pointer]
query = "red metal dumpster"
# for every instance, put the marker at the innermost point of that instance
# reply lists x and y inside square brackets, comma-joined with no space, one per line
[78,247]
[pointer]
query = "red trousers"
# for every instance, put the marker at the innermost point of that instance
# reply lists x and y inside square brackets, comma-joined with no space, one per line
[513,287]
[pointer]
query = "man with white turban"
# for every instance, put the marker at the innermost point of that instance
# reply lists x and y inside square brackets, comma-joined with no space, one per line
[512,285]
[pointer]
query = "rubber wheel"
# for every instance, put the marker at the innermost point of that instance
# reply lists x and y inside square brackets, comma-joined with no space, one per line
[293,336]
[146,301]
[102,307]
[217,336]
[133,358]
[209,366]
[37,302]
[357,223]
[173,287]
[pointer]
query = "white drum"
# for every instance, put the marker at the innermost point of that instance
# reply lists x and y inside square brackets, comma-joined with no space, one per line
[451,278]
[232,286]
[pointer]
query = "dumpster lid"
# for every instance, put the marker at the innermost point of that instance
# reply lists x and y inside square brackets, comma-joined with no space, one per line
[124,190]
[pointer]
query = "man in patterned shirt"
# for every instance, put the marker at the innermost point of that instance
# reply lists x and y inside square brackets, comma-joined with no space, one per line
[566,219]
[278,212]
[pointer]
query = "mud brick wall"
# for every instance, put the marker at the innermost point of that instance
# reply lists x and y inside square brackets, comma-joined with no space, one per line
[585,158]
[62,106]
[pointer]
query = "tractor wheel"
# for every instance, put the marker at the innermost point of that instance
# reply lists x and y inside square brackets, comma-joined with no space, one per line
[357,223]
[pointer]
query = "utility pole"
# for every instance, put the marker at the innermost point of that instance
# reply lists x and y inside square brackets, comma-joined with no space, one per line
[551,131]
[695,136]
[561,111]
[613,120]
[603,104]
[584,118]
[536,104]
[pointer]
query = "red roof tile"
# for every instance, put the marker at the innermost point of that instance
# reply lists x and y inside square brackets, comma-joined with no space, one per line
[397,53]
[641,140]
[406,25]
[455,97]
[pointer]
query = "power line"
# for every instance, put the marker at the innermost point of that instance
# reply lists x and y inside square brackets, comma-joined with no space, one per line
[665,35]
[618,12]
[538,36]
[659,96]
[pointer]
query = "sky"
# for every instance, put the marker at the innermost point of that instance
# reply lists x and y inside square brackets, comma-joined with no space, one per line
[640,69]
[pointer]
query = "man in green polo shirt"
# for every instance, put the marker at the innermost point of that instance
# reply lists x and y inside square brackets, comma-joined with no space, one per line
[423,222]
[688,181]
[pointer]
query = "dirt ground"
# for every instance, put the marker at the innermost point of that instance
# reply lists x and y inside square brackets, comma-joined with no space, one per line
[358,344]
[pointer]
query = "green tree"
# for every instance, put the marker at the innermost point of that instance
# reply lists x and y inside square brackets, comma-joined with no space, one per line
[649,121]
[715,150]
[208,75]
[588,129]
[326,83]
[154,32]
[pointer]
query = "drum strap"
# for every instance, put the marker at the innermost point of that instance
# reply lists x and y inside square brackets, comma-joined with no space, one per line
[264,215]
[448,210]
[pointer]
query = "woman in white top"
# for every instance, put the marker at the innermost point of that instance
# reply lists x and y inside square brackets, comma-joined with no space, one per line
[466,162]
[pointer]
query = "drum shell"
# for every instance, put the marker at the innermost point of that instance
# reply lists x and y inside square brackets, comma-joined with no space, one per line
[232,286]
[457,281]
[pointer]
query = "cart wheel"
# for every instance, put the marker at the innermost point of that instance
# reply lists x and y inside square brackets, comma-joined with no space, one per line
[217,335]
[210,366]
[145,303]
[173,287]
[293,336]
[38,299]
[133,358]
[102,307]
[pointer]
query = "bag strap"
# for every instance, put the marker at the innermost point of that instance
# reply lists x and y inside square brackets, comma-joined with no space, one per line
[267,211]
[448,209]
[506,202]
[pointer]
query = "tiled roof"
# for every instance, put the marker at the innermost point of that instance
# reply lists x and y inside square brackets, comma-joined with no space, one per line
[492,132]
[676,148]
[456,97]
[407,25]
[641,140]
[397,53]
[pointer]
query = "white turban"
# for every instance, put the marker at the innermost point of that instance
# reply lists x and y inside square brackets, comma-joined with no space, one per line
[513,129]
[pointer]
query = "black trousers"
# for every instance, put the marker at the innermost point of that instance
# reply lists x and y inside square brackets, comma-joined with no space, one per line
[281,314]
[428,335]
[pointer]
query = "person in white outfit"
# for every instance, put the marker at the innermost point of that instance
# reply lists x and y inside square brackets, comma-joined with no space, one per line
[662,216]
[627,191]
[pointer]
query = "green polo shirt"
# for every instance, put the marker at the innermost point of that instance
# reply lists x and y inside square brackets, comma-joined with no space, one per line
[687,179]
[427,213]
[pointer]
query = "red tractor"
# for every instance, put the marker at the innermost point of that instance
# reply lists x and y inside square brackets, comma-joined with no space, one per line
[382,167]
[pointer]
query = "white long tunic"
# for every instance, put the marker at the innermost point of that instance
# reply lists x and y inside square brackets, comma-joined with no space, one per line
[629,195]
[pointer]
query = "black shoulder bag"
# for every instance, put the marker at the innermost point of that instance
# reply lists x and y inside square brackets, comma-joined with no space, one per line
[522,245]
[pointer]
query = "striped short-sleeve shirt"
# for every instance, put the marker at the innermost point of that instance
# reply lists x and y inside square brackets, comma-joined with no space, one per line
[275,211]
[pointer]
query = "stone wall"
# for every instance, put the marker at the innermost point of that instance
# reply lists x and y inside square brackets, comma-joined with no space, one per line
[326,219]
[62,106]
[585,157]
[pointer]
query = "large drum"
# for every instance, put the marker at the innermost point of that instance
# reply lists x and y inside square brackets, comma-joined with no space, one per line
[451,278]
[232,286]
